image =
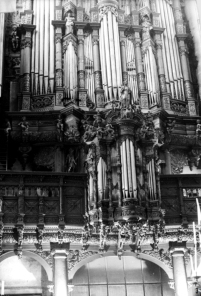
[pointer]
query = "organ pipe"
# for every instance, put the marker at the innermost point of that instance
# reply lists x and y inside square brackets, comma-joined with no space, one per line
[46,46]
[129,181]
[41,51]
[2,23]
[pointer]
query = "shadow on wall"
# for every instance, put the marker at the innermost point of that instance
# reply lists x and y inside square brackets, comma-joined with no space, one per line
[23,276]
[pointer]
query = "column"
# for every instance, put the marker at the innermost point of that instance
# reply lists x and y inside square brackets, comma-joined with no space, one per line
[58,25]
[27,29]
[81,69]
[161,70]
[178,249]
[99,92]
[181,37]
[60,252]
[139,67]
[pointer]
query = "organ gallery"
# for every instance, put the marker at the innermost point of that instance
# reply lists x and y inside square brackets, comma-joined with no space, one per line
[100,134]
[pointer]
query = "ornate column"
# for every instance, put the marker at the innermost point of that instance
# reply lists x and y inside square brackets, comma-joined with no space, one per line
[139,67]
[60,252]
[81,68]
[181,36]
[161,70]
[99,92]
[58,25]
[178,249]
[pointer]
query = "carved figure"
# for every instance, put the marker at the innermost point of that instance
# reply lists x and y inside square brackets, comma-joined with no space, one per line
[60,128]
[110,131]
[1,204]
[198,129]
[71,162]
[8,127]
[69,22]
[90,158]
[72,133]
[125,101]
[24,124]
[14,39]
[24,128]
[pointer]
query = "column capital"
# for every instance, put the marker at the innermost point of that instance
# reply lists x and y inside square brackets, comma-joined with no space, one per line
[59,250]
[177,248]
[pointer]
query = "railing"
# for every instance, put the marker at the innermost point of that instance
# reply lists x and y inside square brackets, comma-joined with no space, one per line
[178,194]
[32,194]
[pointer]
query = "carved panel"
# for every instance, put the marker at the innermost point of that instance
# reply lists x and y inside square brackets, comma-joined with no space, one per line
[31,207]
[51,207]
[10,207]
[171,206]
[190,207]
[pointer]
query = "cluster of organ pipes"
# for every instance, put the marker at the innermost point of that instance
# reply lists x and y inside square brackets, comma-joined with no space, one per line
[89,68]
[151,76]
[43,48]
[171,59]
[43,54]
[152,179]
[110,56]
[70,73]
[129,181]
[131,70]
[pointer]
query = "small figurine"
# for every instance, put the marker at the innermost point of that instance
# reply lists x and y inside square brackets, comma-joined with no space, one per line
[198,129]
[60,128]
[15,39]
[70,161]
[24,125]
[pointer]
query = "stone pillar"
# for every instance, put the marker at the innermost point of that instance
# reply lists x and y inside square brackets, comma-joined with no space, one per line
[59,72]
[60,252]
[27,30]
[81,69]
[139,67]
[99,92]
[181,36]
[161,70]
[178,249]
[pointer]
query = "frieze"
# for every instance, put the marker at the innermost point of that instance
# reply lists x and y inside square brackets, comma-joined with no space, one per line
[40,103]
[76,256]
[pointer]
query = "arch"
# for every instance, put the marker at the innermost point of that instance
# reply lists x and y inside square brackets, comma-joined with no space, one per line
[142,256]
[32,255]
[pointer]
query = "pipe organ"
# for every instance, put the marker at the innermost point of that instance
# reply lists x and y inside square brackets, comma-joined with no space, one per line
[107,71]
